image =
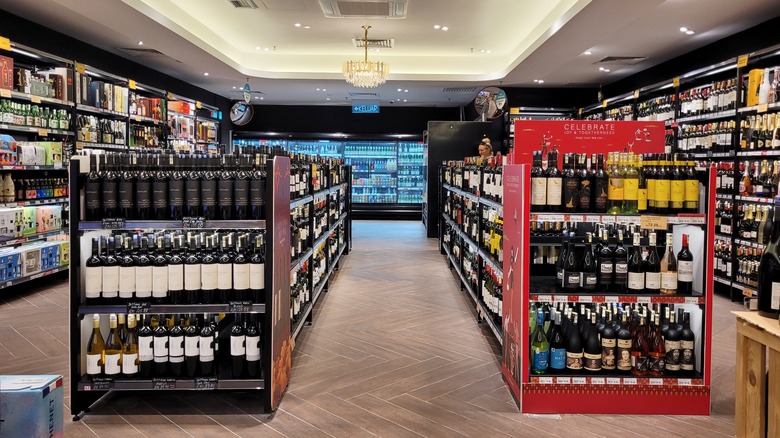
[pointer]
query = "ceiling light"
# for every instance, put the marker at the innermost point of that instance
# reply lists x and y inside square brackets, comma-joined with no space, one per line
[400,90]
[327,98]
[406,91]
[683,29]
[266,49]
[256,97]
[689,32]
[365,73]
[318,89]
[206,74]
[140,43]
[297,24]
[587,53]
[445,28]
[436,26]
[324,89]
[234,88]
[261,97]
[536,80]
[404,100]
[601,68]
[307,27]
[541,81]
[24,52]
[606,70]
[487,51]
[257,48]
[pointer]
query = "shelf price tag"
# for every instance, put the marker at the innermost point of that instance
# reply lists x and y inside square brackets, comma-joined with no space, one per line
[131,84]
[613,380]
[206,382]
[763,108]
[563,380]
[586,299]
[656,382]
[545,298]
[163,383]
[597,381]
[676,82]
[35,99]
[113,223]
[643,300]
[611,299]
[636,94]
[198,105]
[5,43]
[102,383]
[691,300]
[514,110]
[579,380]
[742,61]
[43,132]
[648,222]
[561,299]
[139,308]
[579,111]
[546,380]
[81,68]
[604,103]
[5,93]
[193,222]
[137,118]
[684,382]
[239,306]
[629,381]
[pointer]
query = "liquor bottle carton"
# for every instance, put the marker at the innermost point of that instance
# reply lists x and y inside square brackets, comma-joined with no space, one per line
[32,406]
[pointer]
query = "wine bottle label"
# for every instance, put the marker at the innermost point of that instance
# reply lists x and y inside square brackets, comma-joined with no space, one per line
[630,189]
[574,360]
[241,276]
[571,193]
[636,281]
[208,276]
[677,193]
[653,280]
[125,194]
[662,193]
[176,359]
[656,363]
[592,362]
[192,277]
[257,276]
[540,359]
[572,280]
[256,190]
[615,189]
[639,361]
[672,360]
[601,195]
[160,347]
[176,193]
[159,281]
[126,281]
[538,191]
[554,191]
[160,194]
[129,363]
[110,281]
[109,194]
[606,268]
[206,348]
[92,195]
[685,271]
[208,192]
[687,358]
[225,192]
[237,347]
[691,190]
[93,364]
[608,353]
[669,280]
[642,199]
[143,281]
[112,366]
[175,277]
[589,280]
[145,349]
[624,354]
[93,281]
[775,298]
[143,194]
[557,358]
[252,348]
[225,276]
[192,192]
[241,192]
[176,346]
[191,346]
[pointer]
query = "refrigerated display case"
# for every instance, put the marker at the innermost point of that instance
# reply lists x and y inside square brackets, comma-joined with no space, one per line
[410,172]
[374,171]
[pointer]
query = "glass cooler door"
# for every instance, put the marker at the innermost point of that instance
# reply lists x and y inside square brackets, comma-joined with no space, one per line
[374,171]
[410,172]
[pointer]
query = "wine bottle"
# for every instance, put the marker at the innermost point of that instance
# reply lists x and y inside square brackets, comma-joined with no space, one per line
[160,188]
[96,349]
[253,348]
[192,271]
[540,348]
[112,365]
[207,344]
[588,267]
[143,271]
[191,347]
[620,255]
[224,272]
[657,358]
[208,188]
[624,346]
[538,184]
[241,189]
[126,270]
[176,191]
[110,271]
[145,350]
[677,187]
[574,350]
[109,188]
[601,188]
[241,271]
[225,188]
[685,269]
[616,176]
[257,187]
[608,349]
[93,275]
[571,185]
[669,268]
[257,271]
[176,272]
[192,187]
[125,187]
[160,272]
[571,274]
[559,267]
[130,351]
[237,348]
[630,185]
[769,272]
[672,346]
[208,272]
[554,184]
[121,326]
[687,351]
[593,351]
[160,346]
[652,268]
[606,264]
[92,192]
[691,204]
[636,269]
[176,347]
[640,350]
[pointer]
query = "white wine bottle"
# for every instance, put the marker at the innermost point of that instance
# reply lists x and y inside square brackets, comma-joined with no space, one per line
[113,356]
[96,349]
[130,351]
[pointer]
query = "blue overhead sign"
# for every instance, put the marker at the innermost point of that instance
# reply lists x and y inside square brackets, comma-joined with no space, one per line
[365,109]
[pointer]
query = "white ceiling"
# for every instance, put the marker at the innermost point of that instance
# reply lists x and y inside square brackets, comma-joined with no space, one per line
[527,40]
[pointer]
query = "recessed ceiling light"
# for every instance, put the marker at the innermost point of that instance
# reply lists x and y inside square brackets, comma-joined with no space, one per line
[400,90]
[261,98]
[234,88]
[487,51]
[327,98]
[683,29]
[606,70]
[436,26]
[257,48]
[324,89]
[307,27]
[206,74]
[445,28]
[404,100]
[318,89]
[140,43]
[406,91]
[481,50]
[601,68]
[541,81]
[689,32]
[297,24]
[587,53]
[256,97]
[266,49]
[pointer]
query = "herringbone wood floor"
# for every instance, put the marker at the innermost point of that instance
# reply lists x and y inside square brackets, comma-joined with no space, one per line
[395,350]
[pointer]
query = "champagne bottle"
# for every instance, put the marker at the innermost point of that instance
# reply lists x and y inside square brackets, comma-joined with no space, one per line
[130,351]
[685,269]
[769,272]
[669,268]
[540,348]
[96,349]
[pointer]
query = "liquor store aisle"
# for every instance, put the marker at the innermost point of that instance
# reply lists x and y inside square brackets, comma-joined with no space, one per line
[395,350]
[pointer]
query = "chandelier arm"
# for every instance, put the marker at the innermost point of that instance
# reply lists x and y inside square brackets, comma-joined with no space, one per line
[365,43]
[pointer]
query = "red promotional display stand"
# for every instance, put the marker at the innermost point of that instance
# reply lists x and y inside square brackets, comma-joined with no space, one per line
[595,394]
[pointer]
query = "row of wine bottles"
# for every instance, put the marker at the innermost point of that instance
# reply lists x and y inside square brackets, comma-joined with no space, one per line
[176,268]
[706,137]
[625,183]
[610,339]
[603,268]
[180,346]
[481,176]
[750,222]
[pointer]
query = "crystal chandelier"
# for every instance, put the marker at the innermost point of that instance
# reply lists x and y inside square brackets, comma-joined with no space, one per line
[365,73]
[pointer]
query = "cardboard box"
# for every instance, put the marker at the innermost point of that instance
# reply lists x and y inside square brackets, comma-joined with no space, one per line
[180,106]
[8,226]
[6,73]
[8,147]
[31,260]
[29,221]
[755,77]
[64,253]
[31,406]
[13,265]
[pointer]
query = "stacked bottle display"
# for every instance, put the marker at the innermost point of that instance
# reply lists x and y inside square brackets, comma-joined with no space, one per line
[612,339]
[28,189]
[173,267]
[623,184]
[660,109]
[300,293]
[759,178]
[96,129]
[143,136]
[174,346]
[716,137]
[492,241]
[622,113]
[760,133]
[32,115]
[708,99]
[172,186]
[300,237]
[492,295]
[723,259]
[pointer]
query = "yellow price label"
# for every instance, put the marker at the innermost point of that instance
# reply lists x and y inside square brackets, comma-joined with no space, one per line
[514,110]
[636,94]
[169,95]
[131,84]
[604,103]
[647,222]
[79,145]
[579,111]
[137,118]
[198,105]
[43,132]
[81,68]
[763,108]
[5,43]
[35,99]
[676,82]
[5,93]
[742,61]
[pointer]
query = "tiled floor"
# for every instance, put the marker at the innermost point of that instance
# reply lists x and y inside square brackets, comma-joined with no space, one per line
[395,350]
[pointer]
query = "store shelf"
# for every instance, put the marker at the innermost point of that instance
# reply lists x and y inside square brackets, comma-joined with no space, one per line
[21,280]
[764,108]
[724,196]
[34,237]
[140,225]
[91,145]
[32,202]
[188,140]
[746,290]
[722,236]
[299,261]
[713,154]
[60,167]
[711,116]
[683,218]
[370,156]
[206,142]
[722,280]
[382,172]
[43,132]
[142,119]
[749,243]
[338,187]
[101,111]
[354,186]
[492,204]
[617,298]
[498,270]
[301,321]
[461,192]
[755,199]
[175,308]
[622,382]
[317,292]
[169,383]
[410,188]
[301,201]
[35,99]
[178,114]
[764,153]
